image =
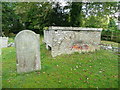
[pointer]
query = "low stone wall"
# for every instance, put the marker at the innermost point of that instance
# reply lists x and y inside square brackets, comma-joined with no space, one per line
[66,40]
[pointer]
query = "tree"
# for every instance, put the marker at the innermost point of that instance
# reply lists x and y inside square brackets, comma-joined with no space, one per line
[58,16]
[75,14]
[10,21]
[34,15]
[98,13]
[37,15]
[112,27]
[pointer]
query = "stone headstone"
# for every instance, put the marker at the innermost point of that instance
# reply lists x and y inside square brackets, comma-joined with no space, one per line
[3,42]
[28,51]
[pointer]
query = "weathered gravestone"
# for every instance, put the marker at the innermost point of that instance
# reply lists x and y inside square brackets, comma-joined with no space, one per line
[3,42]
[28,51]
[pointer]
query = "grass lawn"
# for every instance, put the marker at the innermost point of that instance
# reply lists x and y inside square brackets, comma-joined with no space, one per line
[114,44]
[86,70]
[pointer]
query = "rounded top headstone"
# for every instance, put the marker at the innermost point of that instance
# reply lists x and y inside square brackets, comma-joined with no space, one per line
[27,51]
[25,31]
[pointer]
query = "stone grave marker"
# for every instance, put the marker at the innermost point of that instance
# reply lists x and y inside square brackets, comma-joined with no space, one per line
[27,51]
[3,42]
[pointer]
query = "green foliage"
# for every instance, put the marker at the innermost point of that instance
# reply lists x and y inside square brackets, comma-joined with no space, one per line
[112,25]
[89,70]
[37,15]
[96,22]
[10,21]
[111,32]
[58,15]
[100,8]
[75,14]
[45,28]
[97,14]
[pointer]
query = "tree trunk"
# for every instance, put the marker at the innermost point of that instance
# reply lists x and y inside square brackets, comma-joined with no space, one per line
[76,10]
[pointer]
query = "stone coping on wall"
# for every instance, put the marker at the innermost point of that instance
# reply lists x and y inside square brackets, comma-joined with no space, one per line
[74,28]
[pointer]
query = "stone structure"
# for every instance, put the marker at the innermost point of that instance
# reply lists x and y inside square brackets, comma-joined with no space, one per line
[66,40]
[3,42]
[28,51]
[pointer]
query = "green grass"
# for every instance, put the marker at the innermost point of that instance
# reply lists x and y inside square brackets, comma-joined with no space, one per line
[114,44]
[11,39]
[89,70]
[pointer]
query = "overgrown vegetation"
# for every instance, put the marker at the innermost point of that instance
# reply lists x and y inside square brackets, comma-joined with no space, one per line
[89,70]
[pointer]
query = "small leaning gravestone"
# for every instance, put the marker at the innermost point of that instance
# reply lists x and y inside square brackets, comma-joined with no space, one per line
[28,51]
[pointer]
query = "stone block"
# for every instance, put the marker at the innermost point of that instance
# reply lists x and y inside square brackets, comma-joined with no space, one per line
[66,40]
